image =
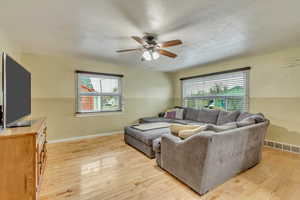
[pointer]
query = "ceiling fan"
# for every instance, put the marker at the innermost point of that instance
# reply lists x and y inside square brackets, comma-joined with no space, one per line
[151,48]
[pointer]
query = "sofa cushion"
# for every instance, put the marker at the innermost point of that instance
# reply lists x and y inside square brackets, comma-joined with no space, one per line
[154,119]
[224,127]
[191,114]
[259,117]
[226,117]
[209,116]
[146,137]
[246,122]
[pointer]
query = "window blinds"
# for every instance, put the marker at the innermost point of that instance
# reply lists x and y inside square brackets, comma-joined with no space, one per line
[227,91]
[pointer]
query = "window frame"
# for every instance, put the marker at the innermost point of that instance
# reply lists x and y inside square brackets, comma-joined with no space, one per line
[246,97]
[119,77]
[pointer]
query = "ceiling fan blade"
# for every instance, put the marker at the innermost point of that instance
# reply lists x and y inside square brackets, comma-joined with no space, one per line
[126,50]
[171,43]
[138,39]
[167,53]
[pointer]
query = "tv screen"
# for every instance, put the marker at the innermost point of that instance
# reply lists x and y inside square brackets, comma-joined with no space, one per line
[16,90]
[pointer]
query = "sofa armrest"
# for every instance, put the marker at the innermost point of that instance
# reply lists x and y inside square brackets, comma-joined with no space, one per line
[169,138]
[186,159]
[174,140]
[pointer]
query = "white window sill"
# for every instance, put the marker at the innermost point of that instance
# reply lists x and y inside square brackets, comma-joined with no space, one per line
[99,114]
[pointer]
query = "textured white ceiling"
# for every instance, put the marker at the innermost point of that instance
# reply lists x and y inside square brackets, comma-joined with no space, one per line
[211,30]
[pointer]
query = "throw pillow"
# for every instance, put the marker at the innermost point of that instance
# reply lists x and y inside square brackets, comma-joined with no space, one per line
[174,114]
[175,128]
[224,127]
[170,114]
[161,114]
[187,133]
[183,112]
[179,113]
[226,117]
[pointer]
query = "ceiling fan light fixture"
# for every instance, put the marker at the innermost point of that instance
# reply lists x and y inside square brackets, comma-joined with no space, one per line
[147,55]
[155,55]
[150,55]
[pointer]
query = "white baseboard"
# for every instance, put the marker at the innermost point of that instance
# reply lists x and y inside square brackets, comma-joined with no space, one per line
[85,137]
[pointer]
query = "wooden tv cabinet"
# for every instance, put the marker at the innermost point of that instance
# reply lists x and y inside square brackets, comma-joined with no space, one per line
[23,157]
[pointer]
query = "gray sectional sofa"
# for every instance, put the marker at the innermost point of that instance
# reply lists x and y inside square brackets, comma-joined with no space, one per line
[231,144]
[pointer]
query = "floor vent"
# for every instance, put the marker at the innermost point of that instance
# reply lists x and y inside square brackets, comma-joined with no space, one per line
[282,146]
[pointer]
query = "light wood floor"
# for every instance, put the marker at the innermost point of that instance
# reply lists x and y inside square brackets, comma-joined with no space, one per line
[105,168]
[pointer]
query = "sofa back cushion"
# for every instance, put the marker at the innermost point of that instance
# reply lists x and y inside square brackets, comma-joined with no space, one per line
[208,116]
[220,128]
[204,115]
[191,114]
[226,117]
[243,115]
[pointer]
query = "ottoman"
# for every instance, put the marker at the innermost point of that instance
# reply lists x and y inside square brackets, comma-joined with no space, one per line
[142,140]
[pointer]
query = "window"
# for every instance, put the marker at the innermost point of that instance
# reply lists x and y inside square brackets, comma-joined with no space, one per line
[226,91]
[97,92]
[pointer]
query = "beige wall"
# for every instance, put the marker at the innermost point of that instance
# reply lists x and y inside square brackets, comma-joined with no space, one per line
[146,93]
[7,46]
[10,48]
[274,89]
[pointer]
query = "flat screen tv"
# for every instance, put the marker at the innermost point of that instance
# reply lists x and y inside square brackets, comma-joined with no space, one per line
[16,85]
